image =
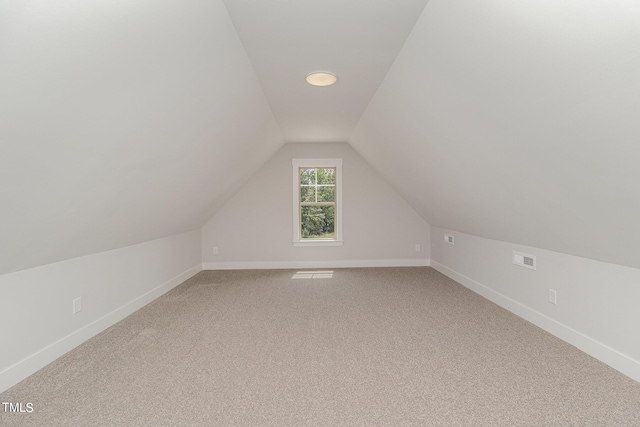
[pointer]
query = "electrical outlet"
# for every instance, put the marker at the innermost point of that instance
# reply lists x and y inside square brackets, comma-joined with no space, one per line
[553,296]
[448,238]
[417,248]
[77,305]
[215,250]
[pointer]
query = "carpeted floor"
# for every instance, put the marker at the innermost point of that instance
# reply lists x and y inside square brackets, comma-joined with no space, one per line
[366,347]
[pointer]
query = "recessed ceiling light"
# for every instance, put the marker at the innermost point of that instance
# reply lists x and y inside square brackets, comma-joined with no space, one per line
[321,78]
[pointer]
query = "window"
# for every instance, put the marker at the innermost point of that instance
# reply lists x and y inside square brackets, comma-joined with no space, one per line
[317,202]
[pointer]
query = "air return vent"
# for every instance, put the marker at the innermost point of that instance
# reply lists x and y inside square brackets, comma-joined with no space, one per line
[524,260]
[448,238]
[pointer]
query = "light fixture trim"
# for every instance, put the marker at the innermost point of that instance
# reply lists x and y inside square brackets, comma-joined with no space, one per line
[321,78]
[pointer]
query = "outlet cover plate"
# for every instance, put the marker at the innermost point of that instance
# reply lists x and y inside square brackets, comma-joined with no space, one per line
[77,305]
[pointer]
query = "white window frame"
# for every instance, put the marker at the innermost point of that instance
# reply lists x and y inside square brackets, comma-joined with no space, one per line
[316,163]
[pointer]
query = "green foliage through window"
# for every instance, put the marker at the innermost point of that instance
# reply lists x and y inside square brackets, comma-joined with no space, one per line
[317,203]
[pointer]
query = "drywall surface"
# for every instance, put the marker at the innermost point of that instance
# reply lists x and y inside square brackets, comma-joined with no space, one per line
[120,123]
[357,40]
[254,229]
[36,308]
[597,303]
[517,121]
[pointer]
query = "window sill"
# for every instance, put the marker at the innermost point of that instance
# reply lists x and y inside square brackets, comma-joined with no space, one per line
[318,242]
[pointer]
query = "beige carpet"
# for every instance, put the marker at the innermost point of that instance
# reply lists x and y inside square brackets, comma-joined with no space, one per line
[367,347]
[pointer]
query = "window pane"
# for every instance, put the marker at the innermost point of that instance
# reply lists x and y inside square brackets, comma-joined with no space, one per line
[326,194]
[307,176]
[307,194]
[327,176]
[317,222]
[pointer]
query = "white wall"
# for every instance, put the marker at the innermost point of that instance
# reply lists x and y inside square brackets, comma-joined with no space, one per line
[517,121]
[120,123]
[36,315]
[254,229]
[597,303]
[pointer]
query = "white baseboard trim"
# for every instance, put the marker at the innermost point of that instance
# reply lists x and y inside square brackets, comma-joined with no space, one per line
[36,361]
[626,365]
[277,265]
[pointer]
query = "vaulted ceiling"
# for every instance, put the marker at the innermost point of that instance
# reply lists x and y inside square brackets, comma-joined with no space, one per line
[122,122]
[517,121]
[358,40]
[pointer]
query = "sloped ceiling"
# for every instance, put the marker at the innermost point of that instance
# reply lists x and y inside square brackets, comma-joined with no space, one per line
[357,40]
[517,121]
[122,122]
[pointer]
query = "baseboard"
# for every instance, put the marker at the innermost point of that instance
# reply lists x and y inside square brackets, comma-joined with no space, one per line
[36,361]
[273,265]
[626,365]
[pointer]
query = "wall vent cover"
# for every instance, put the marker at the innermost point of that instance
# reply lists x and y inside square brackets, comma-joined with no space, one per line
[448,238]
[524,260]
